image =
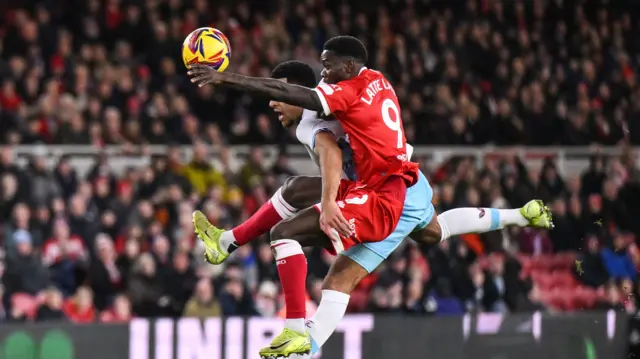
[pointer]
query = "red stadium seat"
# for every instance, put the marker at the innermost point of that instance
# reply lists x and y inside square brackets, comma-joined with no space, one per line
[586,297]
[26,303]
[524,260]
[545,281]
[358,301]
[565,260]
[563,278]
[542,262]
[556,300]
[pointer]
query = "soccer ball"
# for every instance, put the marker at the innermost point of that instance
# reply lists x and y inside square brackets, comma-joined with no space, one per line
[207,46]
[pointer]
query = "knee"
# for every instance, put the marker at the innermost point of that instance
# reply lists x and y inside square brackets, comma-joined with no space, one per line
[281,231]
[284,248]
[425,237]
[299,191]
[430,235]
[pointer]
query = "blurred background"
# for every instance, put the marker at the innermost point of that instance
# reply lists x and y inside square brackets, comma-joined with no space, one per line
[108,148]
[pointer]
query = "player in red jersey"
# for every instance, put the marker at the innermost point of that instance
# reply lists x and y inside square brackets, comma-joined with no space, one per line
[379,191]
[367,107]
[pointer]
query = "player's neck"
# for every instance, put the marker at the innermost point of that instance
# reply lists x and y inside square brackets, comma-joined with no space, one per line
[357,71]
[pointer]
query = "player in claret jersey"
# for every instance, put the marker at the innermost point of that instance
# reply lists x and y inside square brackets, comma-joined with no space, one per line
[372,205]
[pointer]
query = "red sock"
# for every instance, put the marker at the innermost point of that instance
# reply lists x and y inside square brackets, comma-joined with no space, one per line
[267,216]
[292,269]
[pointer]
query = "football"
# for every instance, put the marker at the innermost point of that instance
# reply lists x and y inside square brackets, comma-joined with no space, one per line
[207,46]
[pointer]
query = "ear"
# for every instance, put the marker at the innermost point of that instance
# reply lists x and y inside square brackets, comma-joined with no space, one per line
[350,66]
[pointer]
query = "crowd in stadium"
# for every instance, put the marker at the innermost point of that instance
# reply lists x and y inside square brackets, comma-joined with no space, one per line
[108,247]
[466,72]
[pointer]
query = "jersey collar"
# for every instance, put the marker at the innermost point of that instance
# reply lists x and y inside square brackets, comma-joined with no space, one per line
[362,69]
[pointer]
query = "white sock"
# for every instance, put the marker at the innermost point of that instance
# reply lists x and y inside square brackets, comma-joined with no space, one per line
[478,220]
[284,209]
[297,325]
[226,239]
[332,307]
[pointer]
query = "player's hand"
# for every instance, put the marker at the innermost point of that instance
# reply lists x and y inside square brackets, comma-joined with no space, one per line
[204,75]
[331,218]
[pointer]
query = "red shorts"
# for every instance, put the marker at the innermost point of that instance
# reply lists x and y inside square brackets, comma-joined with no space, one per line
[372,212]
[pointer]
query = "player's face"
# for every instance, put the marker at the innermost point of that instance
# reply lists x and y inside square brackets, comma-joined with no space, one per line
[287,114]
[334,69]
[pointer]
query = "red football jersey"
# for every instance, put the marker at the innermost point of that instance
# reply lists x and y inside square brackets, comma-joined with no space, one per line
[367,107]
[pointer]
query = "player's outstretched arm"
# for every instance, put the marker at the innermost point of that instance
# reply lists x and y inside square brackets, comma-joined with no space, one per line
[275,89]
[331,171]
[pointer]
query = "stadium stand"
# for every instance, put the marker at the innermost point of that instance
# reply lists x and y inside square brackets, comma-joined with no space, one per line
[99,244]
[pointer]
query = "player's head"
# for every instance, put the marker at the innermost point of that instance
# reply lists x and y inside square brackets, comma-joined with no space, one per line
[297,73]
[342,58]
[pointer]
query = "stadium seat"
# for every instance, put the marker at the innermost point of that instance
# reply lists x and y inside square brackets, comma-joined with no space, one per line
[26,303]
[586,297]
[358,301]
[564,279]
[563,261]
[545,281]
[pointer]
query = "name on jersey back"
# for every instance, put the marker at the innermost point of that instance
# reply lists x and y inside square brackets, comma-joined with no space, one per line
[374,87]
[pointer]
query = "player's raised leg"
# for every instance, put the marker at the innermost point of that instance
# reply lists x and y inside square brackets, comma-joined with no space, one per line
[287,239]
[297,192]
[480,220]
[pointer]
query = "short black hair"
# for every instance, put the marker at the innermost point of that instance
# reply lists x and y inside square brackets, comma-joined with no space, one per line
[296,72]
[347,46]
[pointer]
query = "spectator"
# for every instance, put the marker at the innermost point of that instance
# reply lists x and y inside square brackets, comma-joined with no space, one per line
[593,270]
[120,313]
[160,248]
[42,187]
[181,281]
[487,295]
[51,308]
[79,308]
[441,301]
[104,275]
[252,170]
[266,299]
[564,236]
[146,289]
[21,221]
[235,298]
[594,177]
[25,271]
[203,303]
[81,222]
[64,254]
[200,173]
[9,195]
[265,269]
[126,260]
[617,260]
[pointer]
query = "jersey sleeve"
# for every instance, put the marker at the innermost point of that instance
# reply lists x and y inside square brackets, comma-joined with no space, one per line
[332,127]
[310,125]
[336,98]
